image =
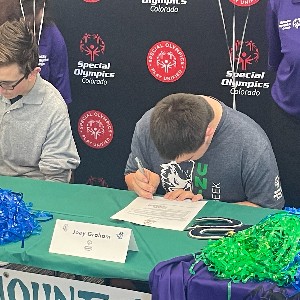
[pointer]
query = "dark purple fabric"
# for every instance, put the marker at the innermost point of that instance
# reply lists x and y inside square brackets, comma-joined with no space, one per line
[54,60]
[171,280]
[283,32]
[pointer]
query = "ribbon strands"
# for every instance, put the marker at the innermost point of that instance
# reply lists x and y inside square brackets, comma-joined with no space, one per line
[17,220]
[233,56]
[268,251]
[35,13]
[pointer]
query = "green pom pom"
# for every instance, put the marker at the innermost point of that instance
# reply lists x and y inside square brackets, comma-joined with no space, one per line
[265,251]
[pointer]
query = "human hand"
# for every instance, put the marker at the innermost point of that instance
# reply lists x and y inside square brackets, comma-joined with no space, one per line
[247,203]
[145,185]
[181,195]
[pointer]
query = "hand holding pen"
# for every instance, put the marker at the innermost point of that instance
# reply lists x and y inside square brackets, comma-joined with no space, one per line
[140,166]
[145,181]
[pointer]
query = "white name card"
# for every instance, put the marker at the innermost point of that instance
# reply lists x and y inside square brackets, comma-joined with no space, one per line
[92,241]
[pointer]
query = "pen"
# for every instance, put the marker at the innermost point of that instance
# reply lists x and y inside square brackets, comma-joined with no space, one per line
[140,166]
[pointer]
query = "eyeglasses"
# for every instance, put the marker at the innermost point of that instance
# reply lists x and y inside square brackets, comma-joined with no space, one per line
[7,86]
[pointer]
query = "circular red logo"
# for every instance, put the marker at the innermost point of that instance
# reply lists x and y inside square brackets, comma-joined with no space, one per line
[166,61]
[244,2]
[95,129]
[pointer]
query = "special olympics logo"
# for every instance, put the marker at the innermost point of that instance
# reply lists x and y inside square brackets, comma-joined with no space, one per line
[96,181]
[244,2]
[166,61]
[296,23]
[246,53]
[92,45]
[95,129]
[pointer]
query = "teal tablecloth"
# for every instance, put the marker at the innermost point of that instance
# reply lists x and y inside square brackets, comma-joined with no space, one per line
[92,204]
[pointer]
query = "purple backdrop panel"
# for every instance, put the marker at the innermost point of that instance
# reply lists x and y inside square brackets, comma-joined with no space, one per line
[172,280]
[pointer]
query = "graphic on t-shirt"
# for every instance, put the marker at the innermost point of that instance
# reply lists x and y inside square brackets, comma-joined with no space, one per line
[296,23]
[177,176]
[43,59]
[216,191]
[200,180]
[278,189]
[289,24]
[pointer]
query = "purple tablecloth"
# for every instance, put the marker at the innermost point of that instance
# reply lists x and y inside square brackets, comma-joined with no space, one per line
[171,280]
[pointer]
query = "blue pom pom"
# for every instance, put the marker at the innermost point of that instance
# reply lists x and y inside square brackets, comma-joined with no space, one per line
[17,220]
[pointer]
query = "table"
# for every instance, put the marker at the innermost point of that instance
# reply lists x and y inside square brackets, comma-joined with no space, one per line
[93,204]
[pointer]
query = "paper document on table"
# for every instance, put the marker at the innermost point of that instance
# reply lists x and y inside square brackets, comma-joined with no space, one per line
[160,213]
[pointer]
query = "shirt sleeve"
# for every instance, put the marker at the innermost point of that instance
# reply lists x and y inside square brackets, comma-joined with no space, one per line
[59,153]
[59,67]
[274,45]
[261,179]
[139,148]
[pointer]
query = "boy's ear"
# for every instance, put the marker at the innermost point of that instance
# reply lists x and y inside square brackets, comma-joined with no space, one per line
[34,72]
[209,132]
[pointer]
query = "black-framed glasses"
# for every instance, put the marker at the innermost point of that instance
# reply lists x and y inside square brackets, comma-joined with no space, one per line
[7,86]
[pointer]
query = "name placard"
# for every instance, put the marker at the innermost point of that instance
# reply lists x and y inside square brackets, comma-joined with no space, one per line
[92,241]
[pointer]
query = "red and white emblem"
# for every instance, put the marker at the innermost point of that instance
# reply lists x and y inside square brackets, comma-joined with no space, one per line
[166,61]
[244,2]
[95,129]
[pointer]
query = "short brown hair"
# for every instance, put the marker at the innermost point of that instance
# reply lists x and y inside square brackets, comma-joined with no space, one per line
[18,45]
[178,124]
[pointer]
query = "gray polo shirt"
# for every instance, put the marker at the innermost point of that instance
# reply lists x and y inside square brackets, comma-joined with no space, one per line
[35,135]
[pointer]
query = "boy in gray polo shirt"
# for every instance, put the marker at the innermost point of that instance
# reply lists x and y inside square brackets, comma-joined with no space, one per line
[35,135]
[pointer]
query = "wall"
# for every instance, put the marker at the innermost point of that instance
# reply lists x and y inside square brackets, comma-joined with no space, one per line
[120,34]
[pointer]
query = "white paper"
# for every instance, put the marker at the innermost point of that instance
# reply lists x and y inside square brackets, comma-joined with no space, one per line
[160,213]
[92,241]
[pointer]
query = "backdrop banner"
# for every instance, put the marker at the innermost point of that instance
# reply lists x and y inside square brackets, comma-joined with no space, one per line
[124,56]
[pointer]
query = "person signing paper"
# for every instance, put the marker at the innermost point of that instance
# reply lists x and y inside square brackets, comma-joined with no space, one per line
[196,147]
